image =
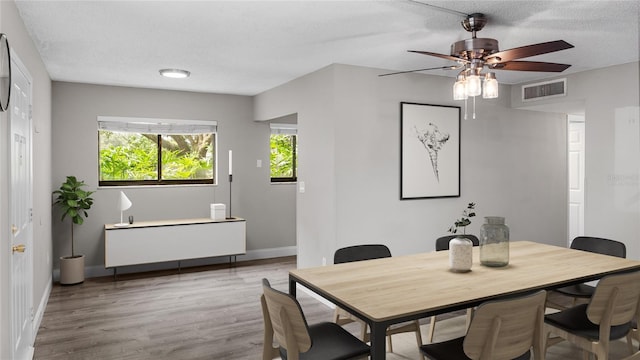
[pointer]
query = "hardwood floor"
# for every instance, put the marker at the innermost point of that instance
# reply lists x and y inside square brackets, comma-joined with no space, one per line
[202,313]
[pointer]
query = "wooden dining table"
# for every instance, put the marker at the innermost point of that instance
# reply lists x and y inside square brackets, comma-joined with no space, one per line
[383,292]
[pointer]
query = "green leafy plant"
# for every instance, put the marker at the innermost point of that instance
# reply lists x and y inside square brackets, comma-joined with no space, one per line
[74,202]
[465,220]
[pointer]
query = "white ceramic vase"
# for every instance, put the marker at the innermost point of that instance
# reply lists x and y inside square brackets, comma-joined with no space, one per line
[460,254]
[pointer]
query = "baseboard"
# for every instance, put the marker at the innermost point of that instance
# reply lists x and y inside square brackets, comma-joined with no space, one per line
[39,314]
[100,271]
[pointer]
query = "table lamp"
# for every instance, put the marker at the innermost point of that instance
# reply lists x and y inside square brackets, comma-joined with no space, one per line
[123,204]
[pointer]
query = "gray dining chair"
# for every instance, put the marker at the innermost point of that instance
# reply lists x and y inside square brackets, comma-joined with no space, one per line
[608,316]
[500,330]
[442,243]
[341,316]
[595,245]
[285,323]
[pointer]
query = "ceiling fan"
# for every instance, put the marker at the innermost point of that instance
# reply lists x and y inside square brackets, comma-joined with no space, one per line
[472,55]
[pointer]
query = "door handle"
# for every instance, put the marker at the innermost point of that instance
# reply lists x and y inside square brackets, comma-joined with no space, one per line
[18,248]
[14,229]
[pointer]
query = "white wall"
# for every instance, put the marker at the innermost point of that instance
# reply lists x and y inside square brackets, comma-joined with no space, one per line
[513,163]
[20,42]
[269,210]
[312,98]
[611,103]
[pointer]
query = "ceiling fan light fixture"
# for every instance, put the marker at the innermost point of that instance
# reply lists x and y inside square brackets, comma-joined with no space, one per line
[175,73]
[490,86]
[460,88]
[474,85]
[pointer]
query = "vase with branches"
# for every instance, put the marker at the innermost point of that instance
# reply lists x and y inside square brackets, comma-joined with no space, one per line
[460,248]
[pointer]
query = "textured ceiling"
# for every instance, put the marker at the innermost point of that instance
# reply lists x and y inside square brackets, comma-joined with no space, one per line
[247,47]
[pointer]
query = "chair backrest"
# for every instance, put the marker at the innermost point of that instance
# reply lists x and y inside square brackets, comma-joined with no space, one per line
[506,329]
[289,325]
[600,246]
[615,300]
[360,252]
[442,243]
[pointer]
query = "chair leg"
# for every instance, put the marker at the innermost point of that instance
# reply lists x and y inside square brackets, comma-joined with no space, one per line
[630,342]
[469,316]
[390,343]
[602,354]
[419,339]
[363,331]
[418,333]
[432,329]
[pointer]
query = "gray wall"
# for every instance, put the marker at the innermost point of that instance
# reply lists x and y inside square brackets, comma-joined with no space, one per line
[269,210]
[20,42]
[514,163]
[609,99]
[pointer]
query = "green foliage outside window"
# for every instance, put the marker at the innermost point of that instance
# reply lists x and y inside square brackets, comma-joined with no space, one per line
[127,158]
[283,159]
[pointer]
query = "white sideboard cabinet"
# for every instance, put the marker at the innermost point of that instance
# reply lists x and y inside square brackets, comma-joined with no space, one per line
[172,240]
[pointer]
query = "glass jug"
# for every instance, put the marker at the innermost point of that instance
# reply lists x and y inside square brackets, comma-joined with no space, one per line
[494,242]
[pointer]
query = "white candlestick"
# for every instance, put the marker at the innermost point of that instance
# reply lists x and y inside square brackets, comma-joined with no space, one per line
[230,163]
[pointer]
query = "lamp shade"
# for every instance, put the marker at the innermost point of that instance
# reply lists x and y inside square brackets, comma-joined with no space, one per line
[474,85]
[459,89]
[124,202]
[490,86]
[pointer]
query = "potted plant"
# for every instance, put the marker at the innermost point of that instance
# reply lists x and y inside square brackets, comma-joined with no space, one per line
[74,202]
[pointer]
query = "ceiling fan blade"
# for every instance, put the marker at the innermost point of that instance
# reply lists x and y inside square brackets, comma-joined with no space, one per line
[448,57]
[527,51]
[530,66]
[434,68]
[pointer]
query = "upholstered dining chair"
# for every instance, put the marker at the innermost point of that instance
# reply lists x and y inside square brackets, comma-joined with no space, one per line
[500,330]
[609,315]
[284,321]
[442,243]
[370,252]
[594,245]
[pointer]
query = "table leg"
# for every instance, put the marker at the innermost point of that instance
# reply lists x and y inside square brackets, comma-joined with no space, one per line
[378,334]
[292,287]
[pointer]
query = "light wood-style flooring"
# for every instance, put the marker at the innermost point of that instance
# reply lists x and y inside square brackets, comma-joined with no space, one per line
[201,313]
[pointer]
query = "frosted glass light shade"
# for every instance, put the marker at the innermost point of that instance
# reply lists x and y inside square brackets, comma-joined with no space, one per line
[459,89]
[474,85]
[175,73]
[490,86]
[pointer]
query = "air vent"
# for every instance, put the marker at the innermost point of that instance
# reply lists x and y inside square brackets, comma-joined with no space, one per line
[544,90]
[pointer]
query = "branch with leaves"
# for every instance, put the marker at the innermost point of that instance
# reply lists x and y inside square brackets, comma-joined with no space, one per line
[465,220]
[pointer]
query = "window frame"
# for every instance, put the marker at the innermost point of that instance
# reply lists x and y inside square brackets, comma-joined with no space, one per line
[294,161]
[159,181]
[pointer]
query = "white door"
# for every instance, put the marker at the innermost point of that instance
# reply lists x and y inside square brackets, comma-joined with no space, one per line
[576,176]
[20,192]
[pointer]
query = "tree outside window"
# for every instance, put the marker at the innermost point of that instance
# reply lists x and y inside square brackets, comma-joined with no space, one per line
[129,158]
[283,159]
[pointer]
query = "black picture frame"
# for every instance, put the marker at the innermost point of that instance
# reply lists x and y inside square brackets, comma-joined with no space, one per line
[429,151]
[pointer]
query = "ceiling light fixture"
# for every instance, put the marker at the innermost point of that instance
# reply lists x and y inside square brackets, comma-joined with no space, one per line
[470,83]
[175,73]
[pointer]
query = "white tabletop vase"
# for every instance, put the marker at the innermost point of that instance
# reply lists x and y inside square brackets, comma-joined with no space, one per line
[460,254]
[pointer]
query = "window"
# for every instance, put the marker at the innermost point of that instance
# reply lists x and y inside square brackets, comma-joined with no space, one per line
[284,153]
[136,151]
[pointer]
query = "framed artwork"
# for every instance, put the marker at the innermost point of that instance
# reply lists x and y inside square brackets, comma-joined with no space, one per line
[429,151]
